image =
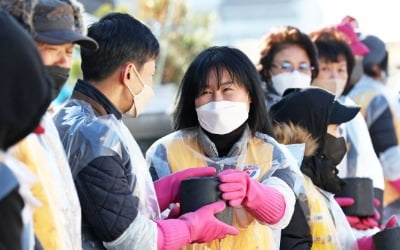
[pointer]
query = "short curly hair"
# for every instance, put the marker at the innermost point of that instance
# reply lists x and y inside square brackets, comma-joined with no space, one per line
[279,40]
[331,45]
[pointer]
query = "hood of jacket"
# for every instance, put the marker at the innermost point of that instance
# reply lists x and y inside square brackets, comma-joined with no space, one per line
[302,117]
[25,87]
[21,10]
[288,133]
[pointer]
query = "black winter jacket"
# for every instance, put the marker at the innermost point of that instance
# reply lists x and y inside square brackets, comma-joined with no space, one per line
[105,184]
[11,205]
[382,130]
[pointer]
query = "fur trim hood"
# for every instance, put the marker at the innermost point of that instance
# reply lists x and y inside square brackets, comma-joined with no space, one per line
[288,133]
[78,9]
[21,10]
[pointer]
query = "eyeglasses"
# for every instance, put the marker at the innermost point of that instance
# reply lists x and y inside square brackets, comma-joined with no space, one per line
[288,67]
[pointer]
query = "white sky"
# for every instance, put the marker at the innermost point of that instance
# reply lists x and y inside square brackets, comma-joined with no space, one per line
[378,17]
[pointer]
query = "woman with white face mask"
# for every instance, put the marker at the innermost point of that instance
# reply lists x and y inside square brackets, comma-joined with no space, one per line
[336,62]
[288,60]
[222,122]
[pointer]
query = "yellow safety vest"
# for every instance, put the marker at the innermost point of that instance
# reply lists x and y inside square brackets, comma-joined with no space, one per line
[47,221]
[323,230]
[252,234]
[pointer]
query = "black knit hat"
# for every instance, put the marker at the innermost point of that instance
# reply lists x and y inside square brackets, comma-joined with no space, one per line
[25,87]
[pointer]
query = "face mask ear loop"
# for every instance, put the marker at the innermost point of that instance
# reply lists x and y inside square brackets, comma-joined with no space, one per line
[139,77]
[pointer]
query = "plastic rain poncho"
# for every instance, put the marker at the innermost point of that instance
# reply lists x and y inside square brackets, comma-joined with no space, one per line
[374,98]
[85,137]
[328,224]
[57,221]
[26,179]
[260,156]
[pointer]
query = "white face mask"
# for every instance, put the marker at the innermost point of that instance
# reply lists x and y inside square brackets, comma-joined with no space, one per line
[141,99]
[295,79]
[335,86]
[222,117]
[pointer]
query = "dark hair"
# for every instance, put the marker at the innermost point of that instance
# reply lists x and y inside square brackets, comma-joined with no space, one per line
[279,40]
[242,71]
[331,45]
[121,38]
[383,65]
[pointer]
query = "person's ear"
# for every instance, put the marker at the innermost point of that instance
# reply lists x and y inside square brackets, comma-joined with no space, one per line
[266,73]
[377,70]
[249,98]
[126,73]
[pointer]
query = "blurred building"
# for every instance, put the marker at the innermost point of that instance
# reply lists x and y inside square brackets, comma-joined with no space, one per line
[92,5]
[239,23]
[242,24]
[252,19]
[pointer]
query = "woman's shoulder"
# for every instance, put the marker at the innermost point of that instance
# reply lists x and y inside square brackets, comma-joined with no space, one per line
[182,135]
[266,138]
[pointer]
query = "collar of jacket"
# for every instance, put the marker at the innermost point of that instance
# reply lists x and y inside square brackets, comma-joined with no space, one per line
[211,150]
[270,94]
[99,102]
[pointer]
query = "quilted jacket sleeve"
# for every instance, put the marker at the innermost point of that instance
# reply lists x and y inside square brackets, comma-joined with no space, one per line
[382,129]
[383,132]
[105,189]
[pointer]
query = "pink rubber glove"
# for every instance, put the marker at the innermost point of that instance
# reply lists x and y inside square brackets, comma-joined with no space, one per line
[396,184]
[175,212]
[370,222]
[346,202]
[264,203]
[357,222]
[167,188]
[365,243]
[195,227]
[392,222]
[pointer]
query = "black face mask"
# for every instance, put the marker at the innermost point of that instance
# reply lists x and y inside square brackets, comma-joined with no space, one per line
[335,148]
[60,76]
[322,172]
[321,168]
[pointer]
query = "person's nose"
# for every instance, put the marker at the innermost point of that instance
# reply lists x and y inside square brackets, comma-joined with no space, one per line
[64,60]
[333,74]
[217,96]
